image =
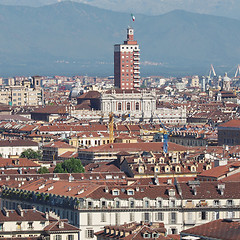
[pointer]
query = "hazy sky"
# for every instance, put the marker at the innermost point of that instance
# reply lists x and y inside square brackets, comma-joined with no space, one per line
[228,8]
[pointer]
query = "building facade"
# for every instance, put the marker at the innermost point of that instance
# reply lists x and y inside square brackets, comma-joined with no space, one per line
[126,63]
[90,207]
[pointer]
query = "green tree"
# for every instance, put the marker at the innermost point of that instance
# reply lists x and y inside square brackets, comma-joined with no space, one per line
[71,165]
[42,170]
[31,154]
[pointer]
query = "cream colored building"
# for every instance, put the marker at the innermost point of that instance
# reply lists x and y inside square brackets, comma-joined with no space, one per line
[91,206]
[33,224]
[21,96]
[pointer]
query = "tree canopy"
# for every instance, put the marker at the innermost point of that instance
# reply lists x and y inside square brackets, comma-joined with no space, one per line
[42,170]
[31,154]
[71,165]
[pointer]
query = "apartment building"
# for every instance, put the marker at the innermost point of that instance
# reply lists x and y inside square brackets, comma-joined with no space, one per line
[92,205]
[33,224]
[21,96]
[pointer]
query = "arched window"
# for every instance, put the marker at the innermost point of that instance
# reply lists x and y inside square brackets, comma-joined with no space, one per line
[128,106]
[137,106]
[119,106]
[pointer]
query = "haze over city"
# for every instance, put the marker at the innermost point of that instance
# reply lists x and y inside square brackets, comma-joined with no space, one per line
[119,119]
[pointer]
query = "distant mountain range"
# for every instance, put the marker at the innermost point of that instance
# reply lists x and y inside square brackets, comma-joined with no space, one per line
[73,38]
[226,8]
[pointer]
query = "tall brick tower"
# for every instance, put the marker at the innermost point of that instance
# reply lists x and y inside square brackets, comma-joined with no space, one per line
[126,63]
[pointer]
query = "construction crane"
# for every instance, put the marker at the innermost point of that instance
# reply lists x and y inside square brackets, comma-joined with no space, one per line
[212,71]
[238,71]
[165,133]
[110,127]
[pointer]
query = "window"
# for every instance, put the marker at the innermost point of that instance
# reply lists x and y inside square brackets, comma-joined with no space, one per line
[173,218]
[229,202]
[131,204]
[117,218]
[216,215]
[137,106]
[1,226]
[89,233]
[70,237]
[128,106]
[58,237]
[147,217]
[90,204]
[203,215]
[104,204]
[230,214]
[18,225]
[103,217]
[30,225]
[119,106]
[159,216]
[115,192]
[117,204]
[89,219]
[146,204]
[159,203]
[172,203]
[131,217]
[216,203]
[130,192]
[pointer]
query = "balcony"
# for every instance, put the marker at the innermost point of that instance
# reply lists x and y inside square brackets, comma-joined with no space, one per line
[136,67]
[136,54]
[136,76]
[137,72]
[136,85]
[136,50]
[136,63]
[136,59]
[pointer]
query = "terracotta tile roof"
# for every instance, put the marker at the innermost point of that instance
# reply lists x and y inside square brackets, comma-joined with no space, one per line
[57,144]
[68,154]
[28,215]
[90,94]
[219,171]
[50,109]
[209,190]
[218,229]
[17,163]
[18,143]
[60,226]
[135,147]
[232,123]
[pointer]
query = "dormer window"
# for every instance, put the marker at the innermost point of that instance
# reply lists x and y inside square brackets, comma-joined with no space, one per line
[115,192]
[130,192]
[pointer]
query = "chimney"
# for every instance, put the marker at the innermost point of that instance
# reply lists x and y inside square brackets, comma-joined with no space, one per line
[221,187]
[19,210]
[47,215]
[169,181]
[61,224]
[106,189]
[194,190]
[5,212]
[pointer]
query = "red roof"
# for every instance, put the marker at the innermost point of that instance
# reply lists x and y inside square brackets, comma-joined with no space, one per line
[232,123]
[218,229]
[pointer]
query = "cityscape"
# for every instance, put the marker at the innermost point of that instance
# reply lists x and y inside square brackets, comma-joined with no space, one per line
[125,154]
